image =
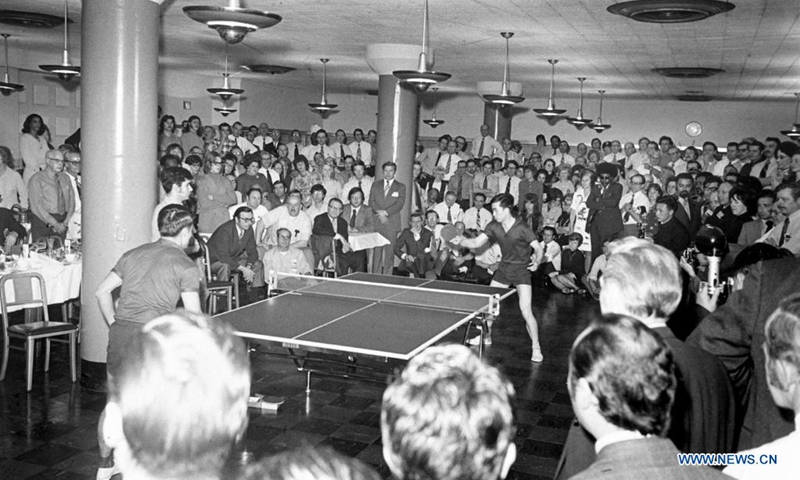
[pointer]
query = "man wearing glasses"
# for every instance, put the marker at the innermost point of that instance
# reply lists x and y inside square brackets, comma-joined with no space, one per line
[51,198]
[233,247]
[634,206]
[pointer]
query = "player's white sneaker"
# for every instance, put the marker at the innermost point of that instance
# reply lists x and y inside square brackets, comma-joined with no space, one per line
[537,356]
[475,341]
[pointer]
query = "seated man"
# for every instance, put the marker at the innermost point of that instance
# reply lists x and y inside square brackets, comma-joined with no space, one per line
[622,384]
[643,281]
[329,228]
[413,247]
[572,266]
[179,372]
[592,279]
[284,258]
[449,211]
[291,217]
[360,219]
[232,246]
[548,255]
[454,262]
[449,416]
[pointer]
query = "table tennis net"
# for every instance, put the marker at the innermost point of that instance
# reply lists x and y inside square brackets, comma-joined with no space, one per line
[408,295]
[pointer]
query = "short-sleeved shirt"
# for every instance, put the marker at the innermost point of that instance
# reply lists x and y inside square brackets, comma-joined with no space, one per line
[154,276]
[514,244]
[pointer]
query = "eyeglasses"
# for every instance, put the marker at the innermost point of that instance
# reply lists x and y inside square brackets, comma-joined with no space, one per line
[247,219]
[285,237]
[605,177]
[637,183]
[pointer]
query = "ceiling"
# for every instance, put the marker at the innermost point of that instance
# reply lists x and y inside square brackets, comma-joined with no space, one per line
[757,44]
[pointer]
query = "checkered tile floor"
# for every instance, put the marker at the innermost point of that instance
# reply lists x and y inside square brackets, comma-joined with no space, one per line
[50,433]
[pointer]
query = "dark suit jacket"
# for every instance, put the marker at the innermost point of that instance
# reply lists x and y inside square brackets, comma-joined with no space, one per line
[392,202]
[703,415]
[365,218]
[322,235]
[424,180]
[673,236]
[647,458]
[697,219]
[735,333]
[226,247]
[604,214]
[271,148]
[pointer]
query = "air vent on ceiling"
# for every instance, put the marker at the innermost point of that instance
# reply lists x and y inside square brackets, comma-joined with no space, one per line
[271,69]
[670,11]
[688,72]
[30,19]
[694,98]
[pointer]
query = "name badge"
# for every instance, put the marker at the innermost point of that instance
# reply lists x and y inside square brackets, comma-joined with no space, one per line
[396,194]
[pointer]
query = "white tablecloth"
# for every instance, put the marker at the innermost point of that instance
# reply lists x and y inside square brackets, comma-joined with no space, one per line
[62,280]
[364,241]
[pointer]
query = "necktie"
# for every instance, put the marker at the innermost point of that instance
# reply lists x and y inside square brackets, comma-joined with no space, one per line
[478,221]
[322,151]
[386,188]
[505,155]
[685,204]
[480,150]
[447,168]
[358,152]
[459,189]
[769,224]
[78,185]
[341,151]
[783,232]
[485,182]
[296,151]
[508,185]
[353,219]
[241,234]
[763,173]
[449,215]
[61,205]
[359,185]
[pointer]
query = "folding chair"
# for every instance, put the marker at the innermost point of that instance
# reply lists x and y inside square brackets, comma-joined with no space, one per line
[28,291]
[217,288]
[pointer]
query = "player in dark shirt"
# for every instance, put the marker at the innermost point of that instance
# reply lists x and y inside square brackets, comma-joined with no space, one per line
[515,238]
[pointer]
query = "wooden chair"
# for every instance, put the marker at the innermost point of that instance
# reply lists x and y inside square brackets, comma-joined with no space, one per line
[216,288]
[25,287]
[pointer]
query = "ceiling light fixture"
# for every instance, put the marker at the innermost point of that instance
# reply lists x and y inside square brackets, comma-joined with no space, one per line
[323,106]
[226,92]
[433,122]
[6,87]
[65,71]
[795,131]
[232,22]
[687,72]
[504,99]
[551,110]
[599,126]
[579,121]
[670,11]
[422,78]
[225,111]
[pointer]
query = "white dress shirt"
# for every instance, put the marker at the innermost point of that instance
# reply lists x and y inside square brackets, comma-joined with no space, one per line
[353,182]
[338,148]
[291,146]
[477,219]
[450,163]
[564,158]
[639,200]
[456,214]
[261,142]
[366,151]
[245,145]
[503,184]
[491,147]
[792,236]
[311,150]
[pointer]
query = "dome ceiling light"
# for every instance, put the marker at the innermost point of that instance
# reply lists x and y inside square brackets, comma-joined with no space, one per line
[6,87]
[323,106]
[232,22]
[66,71]
[670,11]
[422,78]
[551,110]
[599,126]
[794,133]
[580,121]
[504,99]
[688,72]
[433,122]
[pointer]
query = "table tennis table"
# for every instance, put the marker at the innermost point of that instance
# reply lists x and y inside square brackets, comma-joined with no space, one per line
[378,316]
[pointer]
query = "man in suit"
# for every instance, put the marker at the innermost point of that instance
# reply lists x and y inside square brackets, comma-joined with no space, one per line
[671,233]
[360,219]
[430,157]
[605,218]
[689,213]
[755,229]
[387,198]
[328,228]
[414,249]
[232,246]
[627,413]
[643,281]
[734,332]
